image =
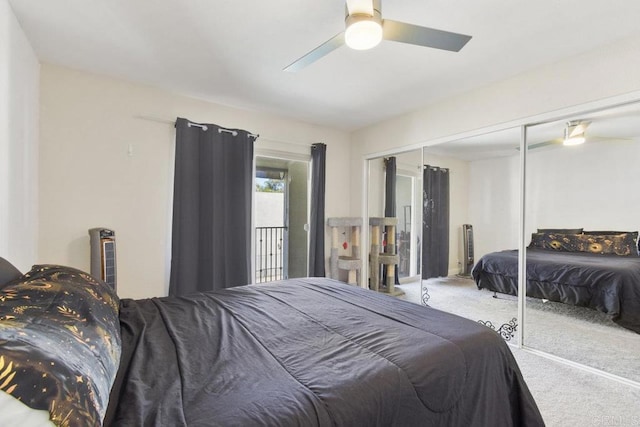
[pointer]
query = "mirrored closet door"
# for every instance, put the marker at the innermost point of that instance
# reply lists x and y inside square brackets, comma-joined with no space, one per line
[581,227]
[478,178]
[394,224]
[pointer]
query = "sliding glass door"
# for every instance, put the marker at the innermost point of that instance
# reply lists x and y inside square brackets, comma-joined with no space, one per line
[281,201]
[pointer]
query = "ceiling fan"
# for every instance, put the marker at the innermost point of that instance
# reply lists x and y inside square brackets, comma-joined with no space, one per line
[365,28]
[574,134]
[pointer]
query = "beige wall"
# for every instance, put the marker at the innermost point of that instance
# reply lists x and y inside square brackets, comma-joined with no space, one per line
[19,79]
[591,186]
[594,186]
[102,165]
[494,203]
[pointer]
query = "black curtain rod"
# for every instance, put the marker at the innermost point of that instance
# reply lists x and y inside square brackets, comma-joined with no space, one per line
[221,129]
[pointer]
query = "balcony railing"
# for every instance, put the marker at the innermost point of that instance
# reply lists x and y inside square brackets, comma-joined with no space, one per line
[270,254]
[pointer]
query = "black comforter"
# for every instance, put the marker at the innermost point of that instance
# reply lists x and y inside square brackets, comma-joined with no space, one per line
[608,283]
[311,352]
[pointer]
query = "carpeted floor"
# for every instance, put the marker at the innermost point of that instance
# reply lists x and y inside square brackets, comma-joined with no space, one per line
[567,396]
[579,334]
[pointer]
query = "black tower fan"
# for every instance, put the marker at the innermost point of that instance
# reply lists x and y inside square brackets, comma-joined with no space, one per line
[467,247]
[103,255]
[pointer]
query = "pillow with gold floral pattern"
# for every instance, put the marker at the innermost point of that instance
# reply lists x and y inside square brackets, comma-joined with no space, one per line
[634,234]
[60,343]
[615,244]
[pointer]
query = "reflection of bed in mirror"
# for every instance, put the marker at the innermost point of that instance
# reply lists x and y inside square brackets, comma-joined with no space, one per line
[590,269]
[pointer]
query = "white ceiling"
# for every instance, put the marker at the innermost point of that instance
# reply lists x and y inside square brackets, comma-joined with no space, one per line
[233,51]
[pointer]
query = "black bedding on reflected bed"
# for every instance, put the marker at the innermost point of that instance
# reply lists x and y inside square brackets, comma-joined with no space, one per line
[608,283]
[311,352]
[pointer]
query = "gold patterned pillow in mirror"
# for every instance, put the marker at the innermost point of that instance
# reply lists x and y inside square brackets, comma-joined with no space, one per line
[624,244]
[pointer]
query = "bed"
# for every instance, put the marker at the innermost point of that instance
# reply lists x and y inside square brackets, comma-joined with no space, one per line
[296,352]
[588,269]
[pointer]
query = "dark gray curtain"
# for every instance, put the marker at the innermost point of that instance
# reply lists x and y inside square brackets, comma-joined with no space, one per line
[435,222]
[390,187]
[390,205]
[211,235]
[316,229]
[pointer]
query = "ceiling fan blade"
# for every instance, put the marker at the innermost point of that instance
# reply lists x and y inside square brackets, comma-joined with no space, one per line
[593,138]
[317,53]
[360,6]
[544,144]
[423,36]
[590,139]
[557,141]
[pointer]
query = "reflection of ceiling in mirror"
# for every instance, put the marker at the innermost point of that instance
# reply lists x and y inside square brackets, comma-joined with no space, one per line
[613,124]
[485,146]
[409,161]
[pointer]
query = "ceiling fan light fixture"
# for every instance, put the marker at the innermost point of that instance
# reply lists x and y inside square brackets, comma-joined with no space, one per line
[576,140]
[574,133]
[363,31]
